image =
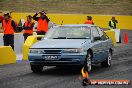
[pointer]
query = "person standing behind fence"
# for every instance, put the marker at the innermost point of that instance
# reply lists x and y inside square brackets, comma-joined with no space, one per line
[42,22]
[89,20]
[28,27]
[9,28]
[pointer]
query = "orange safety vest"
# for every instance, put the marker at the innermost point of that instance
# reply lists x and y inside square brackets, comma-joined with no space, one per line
[7,26]
[29,31]
[89,22]
[42,25]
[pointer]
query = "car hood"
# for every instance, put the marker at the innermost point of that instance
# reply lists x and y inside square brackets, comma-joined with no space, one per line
[60,43]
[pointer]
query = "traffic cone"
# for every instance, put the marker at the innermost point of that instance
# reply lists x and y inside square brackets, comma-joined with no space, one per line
[125,38]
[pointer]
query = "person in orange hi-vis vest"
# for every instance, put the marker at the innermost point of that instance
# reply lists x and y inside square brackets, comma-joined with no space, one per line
[89,20]
[28,27]
[9,28]
[42,22]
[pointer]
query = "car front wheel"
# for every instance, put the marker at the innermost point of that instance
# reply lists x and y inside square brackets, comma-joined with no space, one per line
[88,62]
[107,62]
[36,68]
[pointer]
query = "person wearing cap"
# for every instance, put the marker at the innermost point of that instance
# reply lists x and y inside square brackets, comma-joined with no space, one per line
[89,20]
[112,23]
[43,20]
[28,27]
[9,28]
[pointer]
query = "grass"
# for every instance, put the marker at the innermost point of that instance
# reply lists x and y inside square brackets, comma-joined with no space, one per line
[115,7]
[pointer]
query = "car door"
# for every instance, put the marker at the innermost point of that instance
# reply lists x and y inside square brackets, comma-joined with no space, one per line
[96,45]
[104,43]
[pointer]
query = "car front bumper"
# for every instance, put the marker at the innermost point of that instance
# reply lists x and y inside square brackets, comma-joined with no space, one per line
[62,60]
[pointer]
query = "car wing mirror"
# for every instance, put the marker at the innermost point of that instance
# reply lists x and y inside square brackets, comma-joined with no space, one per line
[96,38]
[39,38]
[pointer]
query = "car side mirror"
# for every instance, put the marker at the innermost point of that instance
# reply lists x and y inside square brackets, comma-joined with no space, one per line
[96,38]
[39,38]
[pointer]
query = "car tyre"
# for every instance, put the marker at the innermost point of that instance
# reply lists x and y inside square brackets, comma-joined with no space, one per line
[107,62]
[88,62]
[36,68]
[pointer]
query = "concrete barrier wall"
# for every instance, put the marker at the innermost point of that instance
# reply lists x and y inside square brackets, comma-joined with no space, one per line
[6,51]
[125,22]
[18,42]
[28,43]
[1,39]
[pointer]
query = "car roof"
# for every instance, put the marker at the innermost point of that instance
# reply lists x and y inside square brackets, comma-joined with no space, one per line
[89,25]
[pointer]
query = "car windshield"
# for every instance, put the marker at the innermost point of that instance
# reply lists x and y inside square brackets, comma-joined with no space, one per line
[69,32]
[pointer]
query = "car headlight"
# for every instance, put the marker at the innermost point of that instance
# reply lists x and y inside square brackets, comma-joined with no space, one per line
[79,50]
[36,51]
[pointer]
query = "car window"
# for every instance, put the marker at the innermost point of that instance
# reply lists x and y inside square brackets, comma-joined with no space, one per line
[102,34]
[100,31]
[69,32]
[95,33]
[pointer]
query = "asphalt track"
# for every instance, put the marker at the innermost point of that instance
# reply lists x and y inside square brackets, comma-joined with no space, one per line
[20,76]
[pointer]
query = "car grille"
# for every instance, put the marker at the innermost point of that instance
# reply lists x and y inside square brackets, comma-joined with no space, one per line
[52,51]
